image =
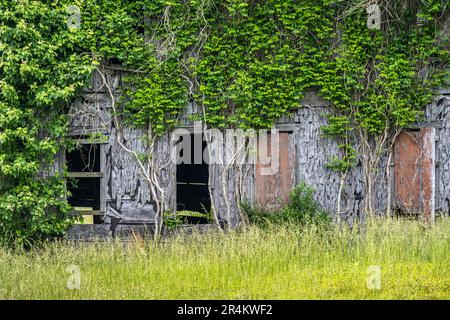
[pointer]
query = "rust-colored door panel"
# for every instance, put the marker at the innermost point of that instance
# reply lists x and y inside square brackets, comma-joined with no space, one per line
[414,172]
[272,189]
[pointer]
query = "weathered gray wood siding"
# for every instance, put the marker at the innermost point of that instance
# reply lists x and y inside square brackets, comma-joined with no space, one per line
[313,153]
[124,191]
[127,194]
[438,115]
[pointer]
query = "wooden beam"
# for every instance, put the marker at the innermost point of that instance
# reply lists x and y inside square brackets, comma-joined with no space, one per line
[77,131]
[86,213]
[420,125]
[84,174]
[286,127]
[91,141]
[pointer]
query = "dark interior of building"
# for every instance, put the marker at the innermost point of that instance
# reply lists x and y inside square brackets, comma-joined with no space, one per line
[192,182]
[84,191]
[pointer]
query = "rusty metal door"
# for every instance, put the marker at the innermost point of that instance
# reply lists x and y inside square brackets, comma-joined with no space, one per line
[414,172]
[272,189]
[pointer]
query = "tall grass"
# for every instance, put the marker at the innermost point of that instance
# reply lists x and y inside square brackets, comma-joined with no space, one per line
[277,262]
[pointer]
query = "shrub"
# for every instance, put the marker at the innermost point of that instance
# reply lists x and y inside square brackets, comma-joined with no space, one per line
[33,212]
[175,220]
[301,209]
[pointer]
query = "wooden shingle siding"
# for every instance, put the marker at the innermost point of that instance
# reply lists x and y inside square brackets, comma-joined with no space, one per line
[304,155]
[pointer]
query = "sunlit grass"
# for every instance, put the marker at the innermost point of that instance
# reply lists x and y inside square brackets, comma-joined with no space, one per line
[280,262]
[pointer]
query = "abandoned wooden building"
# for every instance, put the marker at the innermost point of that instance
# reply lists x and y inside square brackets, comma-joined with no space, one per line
[110,185]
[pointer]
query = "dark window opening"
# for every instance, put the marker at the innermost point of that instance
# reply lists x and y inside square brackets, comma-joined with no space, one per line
[85,158]
[192,182]
[84,180]
[115,61]
[85,192]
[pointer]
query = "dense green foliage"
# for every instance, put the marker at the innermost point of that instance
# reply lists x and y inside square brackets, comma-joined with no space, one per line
[246,63]
[41,70]
[260,59]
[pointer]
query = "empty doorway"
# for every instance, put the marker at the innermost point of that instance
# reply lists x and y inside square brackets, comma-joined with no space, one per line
[193,176]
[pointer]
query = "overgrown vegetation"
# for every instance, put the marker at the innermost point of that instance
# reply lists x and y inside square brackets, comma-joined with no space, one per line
[41,70]
[277,262]
[302,209]
[244,63]
[183,217]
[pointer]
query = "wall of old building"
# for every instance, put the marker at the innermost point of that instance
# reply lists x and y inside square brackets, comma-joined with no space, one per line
[438,115]
[126,194]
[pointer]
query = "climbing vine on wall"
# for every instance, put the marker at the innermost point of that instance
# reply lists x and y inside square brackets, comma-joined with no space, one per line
[381,80]
[260,59]
[245,63]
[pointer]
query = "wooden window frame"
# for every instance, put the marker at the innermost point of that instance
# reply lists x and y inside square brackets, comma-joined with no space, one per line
[100,174]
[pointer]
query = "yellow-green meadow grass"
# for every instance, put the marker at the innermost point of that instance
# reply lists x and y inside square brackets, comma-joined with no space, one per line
[278,262]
